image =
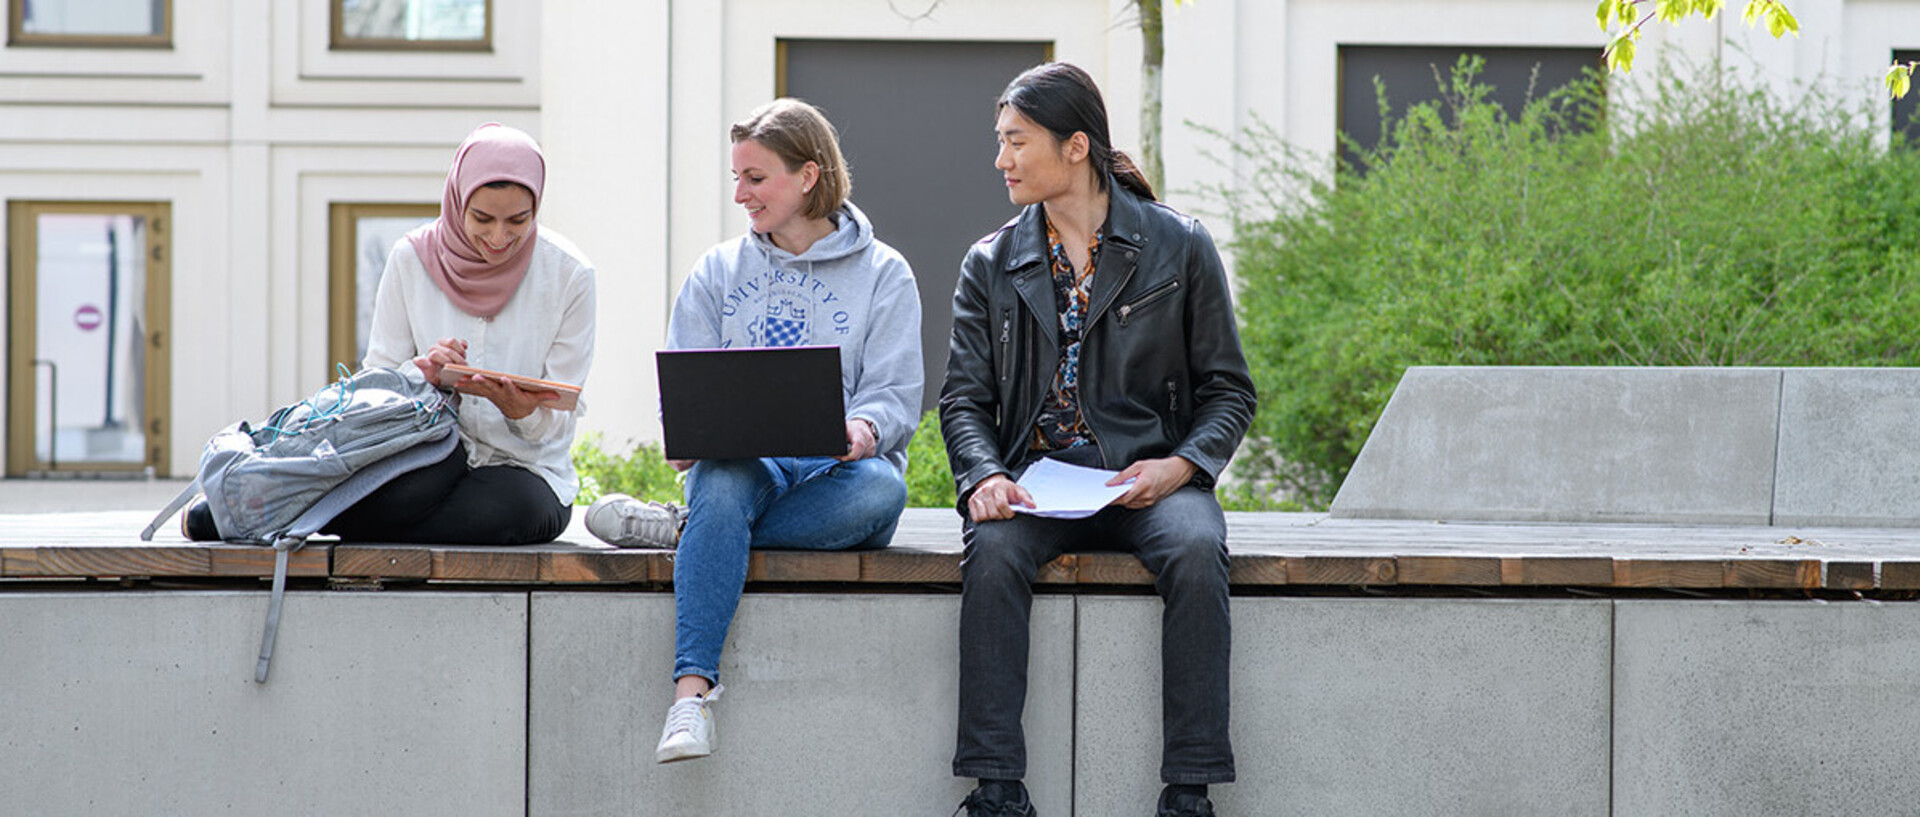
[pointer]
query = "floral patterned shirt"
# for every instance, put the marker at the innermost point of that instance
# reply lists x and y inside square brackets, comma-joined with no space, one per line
[1061,425]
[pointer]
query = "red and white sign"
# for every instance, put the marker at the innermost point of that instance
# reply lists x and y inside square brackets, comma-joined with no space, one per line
[88,317]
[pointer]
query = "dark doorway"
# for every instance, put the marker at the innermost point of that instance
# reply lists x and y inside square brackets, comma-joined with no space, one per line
[1408,72]
[916,122]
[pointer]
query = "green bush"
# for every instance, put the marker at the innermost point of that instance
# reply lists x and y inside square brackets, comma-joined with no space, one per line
[642,473]
[1700,224]
[929,476]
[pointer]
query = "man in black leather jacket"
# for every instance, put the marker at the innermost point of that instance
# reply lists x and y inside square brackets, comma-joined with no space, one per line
[1134,367]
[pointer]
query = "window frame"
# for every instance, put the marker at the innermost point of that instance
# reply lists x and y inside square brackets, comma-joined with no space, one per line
[17,35]
[23,251]
[343,239]
[337,39]
[1903,115]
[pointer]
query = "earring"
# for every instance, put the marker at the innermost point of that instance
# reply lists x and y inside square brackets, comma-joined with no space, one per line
[807,189]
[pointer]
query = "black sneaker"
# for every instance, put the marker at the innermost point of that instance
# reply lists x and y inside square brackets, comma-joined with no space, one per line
[998,799]
[1183,804]
[196,522]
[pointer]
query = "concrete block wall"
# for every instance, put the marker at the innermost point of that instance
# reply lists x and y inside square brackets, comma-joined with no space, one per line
[139,703]
[549,703]
[1736,446]
[834,705]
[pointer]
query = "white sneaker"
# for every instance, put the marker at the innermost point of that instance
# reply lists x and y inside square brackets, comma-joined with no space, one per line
[623,521]
[689,730]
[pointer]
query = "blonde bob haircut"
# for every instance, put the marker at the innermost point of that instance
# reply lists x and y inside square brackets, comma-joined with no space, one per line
[798,133]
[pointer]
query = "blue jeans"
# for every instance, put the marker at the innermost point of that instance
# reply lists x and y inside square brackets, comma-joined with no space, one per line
[1182,540]
[804,503]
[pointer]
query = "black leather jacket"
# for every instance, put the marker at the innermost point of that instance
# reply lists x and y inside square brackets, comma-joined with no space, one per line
[1161,372]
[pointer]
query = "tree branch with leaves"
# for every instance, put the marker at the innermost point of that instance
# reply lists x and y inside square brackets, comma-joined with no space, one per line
[1631,16]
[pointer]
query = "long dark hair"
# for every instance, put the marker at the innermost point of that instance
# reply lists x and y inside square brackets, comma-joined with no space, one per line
[1062,98]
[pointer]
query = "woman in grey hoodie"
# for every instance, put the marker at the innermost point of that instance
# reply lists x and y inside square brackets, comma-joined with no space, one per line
[808,273]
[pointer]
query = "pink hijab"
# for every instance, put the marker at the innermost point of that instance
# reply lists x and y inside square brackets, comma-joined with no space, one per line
[492,153]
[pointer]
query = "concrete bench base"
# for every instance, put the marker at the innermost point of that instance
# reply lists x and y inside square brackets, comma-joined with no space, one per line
[549,702]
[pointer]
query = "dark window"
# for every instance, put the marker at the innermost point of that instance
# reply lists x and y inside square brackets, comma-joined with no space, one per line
[1906,110]
[1416,74]
[916,123]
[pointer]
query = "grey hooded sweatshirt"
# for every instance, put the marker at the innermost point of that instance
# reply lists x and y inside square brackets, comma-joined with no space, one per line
[847,290]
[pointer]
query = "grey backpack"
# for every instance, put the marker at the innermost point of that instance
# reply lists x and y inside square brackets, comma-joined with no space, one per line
[278,484]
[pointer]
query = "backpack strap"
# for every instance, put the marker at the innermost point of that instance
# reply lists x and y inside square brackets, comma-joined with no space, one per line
[330,505]
[192,490]
[274,601]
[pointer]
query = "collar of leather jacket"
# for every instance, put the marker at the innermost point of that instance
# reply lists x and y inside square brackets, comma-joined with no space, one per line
[1126,226]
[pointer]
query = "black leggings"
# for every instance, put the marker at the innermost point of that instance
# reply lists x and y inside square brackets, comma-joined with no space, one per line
[449,503]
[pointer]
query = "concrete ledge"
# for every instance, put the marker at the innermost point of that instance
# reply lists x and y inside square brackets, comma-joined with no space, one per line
[1366,706]
[834,705]
[1571,445]
[1730,708]
[548,702]
[144,703]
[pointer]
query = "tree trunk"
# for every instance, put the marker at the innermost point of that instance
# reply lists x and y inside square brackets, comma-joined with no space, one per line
[1153,38]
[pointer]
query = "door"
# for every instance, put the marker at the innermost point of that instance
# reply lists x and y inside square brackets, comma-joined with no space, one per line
[87,384]
[916,123]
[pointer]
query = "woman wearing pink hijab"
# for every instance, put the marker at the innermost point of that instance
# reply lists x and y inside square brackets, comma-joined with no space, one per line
[482,286]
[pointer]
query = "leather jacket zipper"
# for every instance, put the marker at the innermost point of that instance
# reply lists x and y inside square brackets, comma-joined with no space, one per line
[1161,291]
[1006,348]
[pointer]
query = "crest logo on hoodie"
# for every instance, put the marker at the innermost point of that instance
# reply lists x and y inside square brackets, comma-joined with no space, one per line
[792,300]
[785,324]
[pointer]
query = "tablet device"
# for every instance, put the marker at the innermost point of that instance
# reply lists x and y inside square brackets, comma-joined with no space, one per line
[451,374]
[763,402]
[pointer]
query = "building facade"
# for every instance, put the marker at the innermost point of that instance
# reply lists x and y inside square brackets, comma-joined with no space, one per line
[199,193]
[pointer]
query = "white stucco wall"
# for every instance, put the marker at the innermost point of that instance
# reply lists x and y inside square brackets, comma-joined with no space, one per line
[250,138]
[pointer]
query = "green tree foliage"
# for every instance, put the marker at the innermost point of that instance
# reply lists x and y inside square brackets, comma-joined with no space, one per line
[1624,19]
[1704,225]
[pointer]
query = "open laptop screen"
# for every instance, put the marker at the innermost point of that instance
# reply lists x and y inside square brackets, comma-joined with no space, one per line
[769,402]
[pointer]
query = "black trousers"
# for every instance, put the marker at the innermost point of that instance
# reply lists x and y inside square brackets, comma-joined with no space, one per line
[449,503]
[1182,539]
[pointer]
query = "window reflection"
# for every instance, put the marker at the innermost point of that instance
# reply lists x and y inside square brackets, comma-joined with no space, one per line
[398,23]
[361,235]
[89,338]
[89,21]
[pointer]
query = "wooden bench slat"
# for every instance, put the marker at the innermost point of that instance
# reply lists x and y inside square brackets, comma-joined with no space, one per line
[1675,573]
[1773,573]
[1900,575]
[1342,570]
[604,566]
[803,566]
[1574,571]
[1850,575]
[1059,571]
[1256,570]
[89,561]
[312,560]
[382,562]
[1462,570]
[909,567]
[1111,568]
[488,565]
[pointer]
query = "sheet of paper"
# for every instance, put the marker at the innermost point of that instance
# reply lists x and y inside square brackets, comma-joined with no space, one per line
[1063,491]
